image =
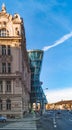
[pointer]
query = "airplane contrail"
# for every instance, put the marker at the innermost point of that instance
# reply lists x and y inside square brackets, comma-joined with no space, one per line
[60,41]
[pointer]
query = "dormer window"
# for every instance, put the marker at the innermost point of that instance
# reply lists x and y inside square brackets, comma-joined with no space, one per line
[4,33]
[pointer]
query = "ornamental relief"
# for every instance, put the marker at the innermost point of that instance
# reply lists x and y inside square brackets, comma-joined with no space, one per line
[5,58]
[16,19]
[2,24]
[17,82]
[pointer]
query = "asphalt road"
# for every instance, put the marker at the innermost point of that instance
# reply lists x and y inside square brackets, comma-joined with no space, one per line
[50,120]
[55,120]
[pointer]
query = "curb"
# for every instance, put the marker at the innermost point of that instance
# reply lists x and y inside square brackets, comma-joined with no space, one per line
[24,119]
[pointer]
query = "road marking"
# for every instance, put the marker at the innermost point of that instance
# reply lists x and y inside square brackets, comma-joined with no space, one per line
[55,126]
[54,123]
[70,119]
[53,119]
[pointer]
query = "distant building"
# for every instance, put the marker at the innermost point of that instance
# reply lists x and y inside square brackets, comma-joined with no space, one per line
[63,105]
[37,94]
[15,75]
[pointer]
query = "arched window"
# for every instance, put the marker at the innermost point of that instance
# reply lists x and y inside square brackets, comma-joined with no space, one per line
[4,33]
[0,104]
[8,104]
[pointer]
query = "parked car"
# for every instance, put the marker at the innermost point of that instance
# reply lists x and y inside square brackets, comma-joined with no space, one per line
[3,119]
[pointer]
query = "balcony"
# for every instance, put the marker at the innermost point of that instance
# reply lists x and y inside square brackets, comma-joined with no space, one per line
[10,75]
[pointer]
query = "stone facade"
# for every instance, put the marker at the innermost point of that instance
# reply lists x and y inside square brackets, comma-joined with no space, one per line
[15,75]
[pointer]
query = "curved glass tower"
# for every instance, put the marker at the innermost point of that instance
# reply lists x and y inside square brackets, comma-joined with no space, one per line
[35,59]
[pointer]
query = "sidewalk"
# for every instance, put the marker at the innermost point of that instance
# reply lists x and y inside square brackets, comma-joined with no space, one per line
[27,117]
[26,123]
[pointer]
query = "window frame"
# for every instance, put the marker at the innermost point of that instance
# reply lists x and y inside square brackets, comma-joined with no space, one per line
[3,67]
[8,86]
[1,85]
[9,50]
[3,49]
[9,67]
[8,104]
[1,104]
[4,32]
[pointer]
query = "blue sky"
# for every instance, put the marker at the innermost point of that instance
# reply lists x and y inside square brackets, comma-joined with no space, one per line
[48,23]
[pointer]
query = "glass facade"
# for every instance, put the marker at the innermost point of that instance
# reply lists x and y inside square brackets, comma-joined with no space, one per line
[35,61]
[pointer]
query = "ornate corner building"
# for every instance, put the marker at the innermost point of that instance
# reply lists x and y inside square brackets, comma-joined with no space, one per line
[15,75]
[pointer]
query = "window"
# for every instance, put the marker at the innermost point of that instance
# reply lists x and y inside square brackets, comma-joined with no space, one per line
[1,86]
[32,69]
[37,70]
[9,67]
[36,77]
[0,104]
[8,104]
[9,50]
[8,86]
[4,33]
[3,67]
[3,50]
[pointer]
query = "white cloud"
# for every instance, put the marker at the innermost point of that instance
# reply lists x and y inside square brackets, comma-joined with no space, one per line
[60,41]
[58,95]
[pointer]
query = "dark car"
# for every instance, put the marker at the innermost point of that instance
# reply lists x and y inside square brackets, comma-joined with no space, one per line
[3,119]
